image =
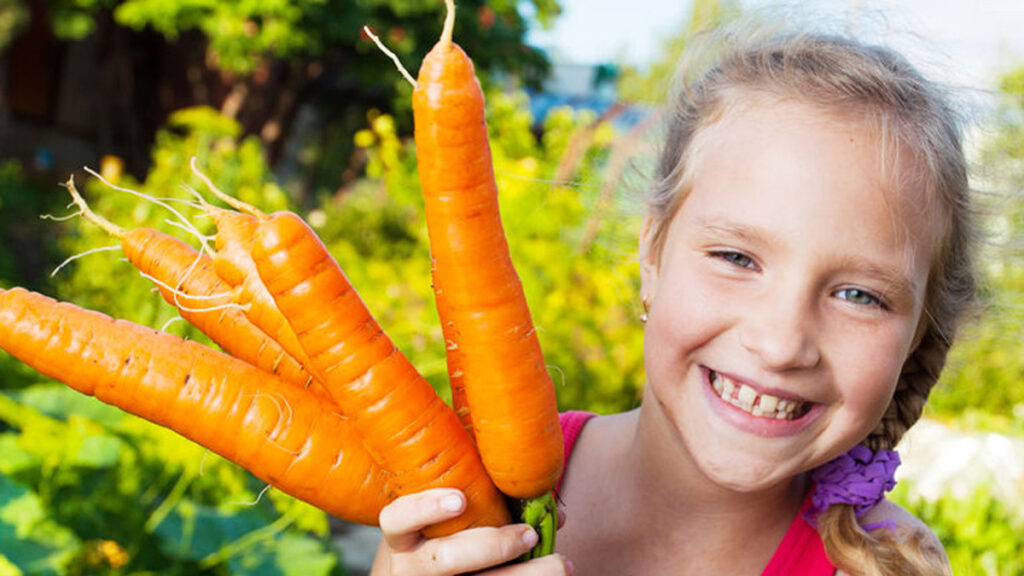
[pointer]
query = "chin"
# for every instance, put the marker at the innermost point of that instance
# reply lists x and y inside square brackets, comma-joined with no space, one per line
[739,477]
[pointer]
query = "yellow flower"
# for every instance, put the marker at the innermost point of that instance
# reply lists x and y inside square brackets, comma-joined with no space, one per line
[113,553]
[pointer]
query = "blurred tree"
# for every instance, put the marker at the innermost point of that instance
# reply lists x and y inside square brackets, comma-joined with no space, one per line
[12,18]
[262,62]
[29,247]
[982,384]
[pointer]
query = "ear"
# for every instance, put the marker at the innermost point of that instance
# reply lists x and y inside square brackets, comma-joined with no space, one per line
[648,260]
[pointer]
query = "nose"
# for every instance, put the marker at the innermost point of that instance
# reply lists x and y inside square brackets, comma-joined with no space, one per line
[781,332]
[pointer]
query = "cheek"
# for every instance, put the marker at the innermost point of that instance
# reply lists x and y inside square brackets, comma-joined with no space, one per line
[686,312]
[873,372]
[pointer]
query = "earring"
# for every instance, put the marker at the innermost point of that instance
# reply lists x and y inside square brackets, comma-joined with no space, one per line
[647,307]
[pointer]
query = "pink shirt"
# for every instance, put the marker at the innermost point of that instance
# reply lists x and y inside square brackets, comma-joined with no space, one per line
[801,551]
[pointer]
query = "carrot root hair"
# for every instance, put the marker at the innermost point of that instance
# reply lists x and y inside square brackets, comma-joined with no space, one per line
[74,257]
[180,294]
[170,321]
[259,498]
[87,213]
[394,57]
[188,226]
[121,234]
[224,196]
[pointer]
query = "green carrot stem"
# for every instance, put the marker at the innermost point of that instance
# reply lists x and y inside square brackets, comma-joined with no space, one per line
[541,513]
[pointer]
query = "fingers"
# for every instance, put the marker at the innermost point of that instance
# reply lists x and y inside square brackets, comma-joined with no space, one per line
[487,550]
[402,520]
[473,550]
[552,565]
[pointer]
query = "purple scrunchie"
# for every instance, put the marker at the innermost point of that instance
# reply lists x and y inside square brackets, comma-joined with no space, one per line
[859,478]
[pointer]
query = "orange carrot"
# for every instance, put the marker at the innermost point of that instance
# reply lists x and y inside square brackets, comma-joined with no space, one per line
[280,248]
[456,377]
[405,425]
[492,340]
[166,258]
[186,280]
[278,432]
[233,263]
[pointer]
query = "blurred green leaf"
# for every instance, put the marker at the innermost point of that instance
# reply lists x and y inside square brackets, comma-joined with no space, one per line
[193,531]
[8,569]
[59,401]
[29,539]
[287,555]
[15,457]
[981,534]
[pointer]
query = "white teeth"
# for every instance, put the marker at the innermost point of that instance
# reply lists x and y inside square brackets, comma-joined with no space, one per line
[747,395]
[746,398]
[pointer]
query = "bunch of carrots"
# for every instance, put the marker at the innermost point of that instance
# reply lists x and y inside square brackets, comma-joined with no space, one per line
[308,392]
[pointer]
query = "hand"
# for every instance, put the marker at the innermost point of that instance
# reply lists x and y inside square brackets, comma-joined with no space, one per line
[404,551]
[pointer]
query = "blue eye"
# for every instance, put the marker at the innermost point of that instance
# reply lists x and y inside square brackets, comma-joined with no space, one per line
[859,296]
[737,258]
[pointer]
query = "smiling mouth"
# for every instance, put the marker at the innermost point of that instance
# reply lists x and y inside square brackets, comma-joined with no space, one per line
[747,399]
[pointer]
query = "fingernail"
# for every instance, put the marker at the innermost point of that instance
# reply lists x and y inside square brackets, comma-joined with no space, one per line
[452,503]
[530,537]
[569,566]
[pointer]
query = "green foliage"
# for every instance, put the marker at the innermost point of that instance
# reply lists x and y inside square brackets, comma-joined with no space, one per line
[75,19]
[981,535]
[31,540]
[582,290]
[240,33]
[13,17]
[982,384]
[244,35]
[980,389]
[30,252]
[86,489]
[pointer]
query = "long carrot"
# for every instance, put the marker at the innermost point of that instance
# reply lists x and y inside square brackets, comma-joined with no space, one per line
[186,279]
[405,425]
[278,432]
[479,296]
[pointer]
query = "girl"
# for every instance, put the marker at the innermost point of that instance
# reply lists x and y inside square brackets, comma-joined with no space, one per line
[805,262]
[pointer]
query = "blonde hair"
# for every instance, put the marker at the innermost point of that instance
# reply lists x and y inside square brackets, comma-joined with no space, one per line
[914,118]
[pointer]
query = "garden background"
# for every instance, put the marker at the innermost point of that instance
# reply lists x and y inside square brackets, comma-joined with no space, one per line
[285,104]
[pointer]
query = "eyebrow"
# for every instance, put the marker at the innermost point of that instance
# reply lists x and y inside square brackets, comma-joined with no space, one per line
[725,228]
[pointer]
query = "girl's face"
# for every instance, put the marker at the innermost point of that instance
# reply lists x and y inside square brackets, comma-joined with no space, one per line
[787,294]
